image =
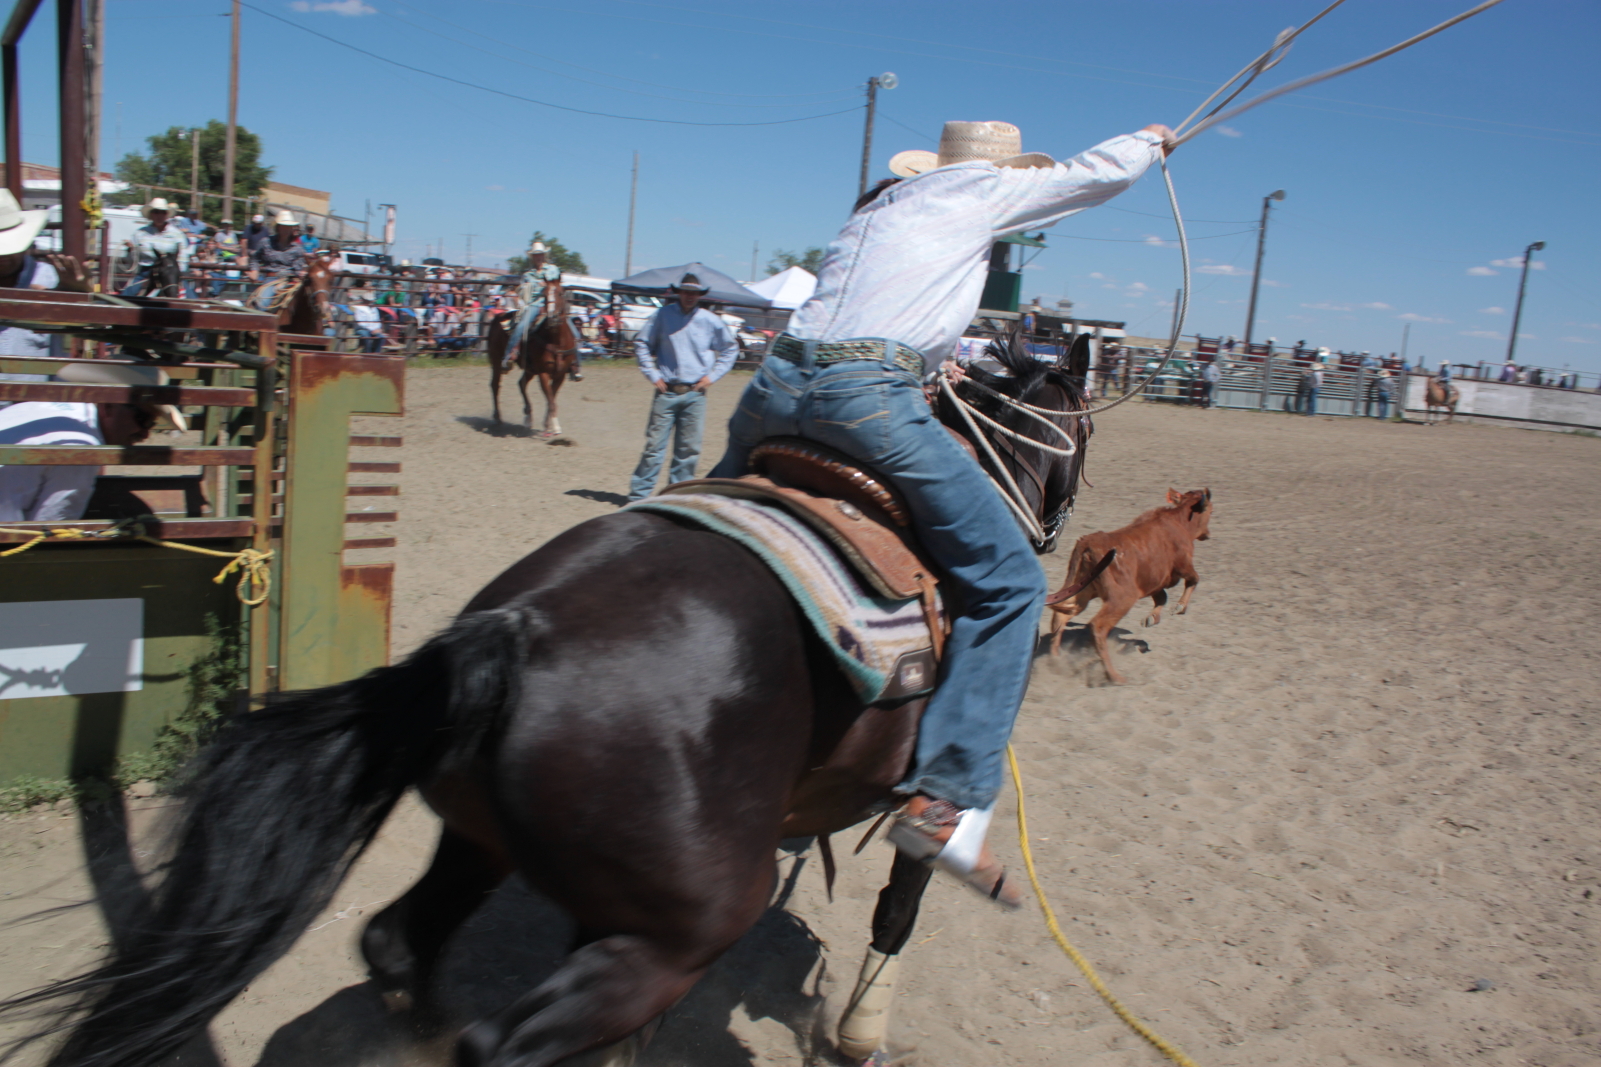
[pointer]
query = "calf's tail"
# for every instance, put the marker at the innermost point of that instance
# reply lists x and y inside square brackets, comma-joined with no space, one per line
[276,811]
[1072,569]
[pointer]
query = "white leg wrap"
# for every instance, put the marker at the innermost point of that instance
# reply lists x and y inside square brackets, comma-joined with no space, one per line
[866,1021]
[961,852]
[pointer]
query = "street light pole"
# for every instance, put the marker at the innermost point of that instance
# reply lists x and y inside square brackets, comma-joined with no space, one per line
[1517,311]
[883,81]
[1256,275]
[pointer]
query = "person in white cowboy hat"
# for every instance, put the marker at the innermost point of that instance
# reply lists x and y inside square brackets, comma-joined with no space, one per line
[531,300]
[282,254]
[156,240]
[894,294]
[51,493]
[23,268]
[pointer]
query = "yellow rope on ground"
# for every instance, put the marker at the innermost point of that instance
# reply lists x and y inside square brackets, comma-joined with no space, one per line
[255,577]
[1135,1024]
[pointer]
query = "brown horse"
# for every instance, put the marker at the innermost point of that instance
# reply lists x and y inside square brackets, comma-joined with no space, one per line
[549,350]
[300,301]
[1438,395]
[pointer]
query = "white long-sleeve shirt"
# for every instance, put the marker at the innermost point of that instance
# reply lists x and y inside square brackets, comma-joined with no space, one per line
[910,266]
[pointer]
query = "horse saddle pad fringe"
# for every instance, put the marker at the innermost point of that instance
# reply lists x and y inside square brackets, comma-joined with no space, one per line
[885,645]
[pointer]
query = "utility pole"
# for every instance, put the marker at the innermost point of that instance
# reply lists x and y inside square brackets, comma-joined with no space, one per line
[194,170]
[883,81]
[73,85]
[633,197]
[1256,275]
[1406,332]
[469,237]
[755,254]
[230,146]
[94,38]
[1517,310]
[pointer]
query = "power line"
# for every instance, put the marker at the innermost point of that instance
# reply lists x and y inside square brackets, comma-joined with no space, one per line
[584,81]
[1146,241]
[529,99]
[1152,215]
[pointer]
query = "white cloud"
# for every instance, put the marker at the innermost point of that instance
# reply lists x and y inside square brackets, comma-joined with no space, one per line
[1271,284]
[1229,131]
[494,188]
[1516,261]
[1491,334]
[1227,269]
[1377,306]
[1580,340]
[1585,325]
[1156,242]
[1492,311]
[1412,316]
[336,7]
[1097,275]
[1138,287]
[1327,307]
[1108,285]
[1482,272]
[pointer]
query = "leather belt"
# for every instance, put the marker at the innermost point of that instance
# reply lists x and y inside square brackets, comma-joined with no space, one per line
[679,388]
[793,349]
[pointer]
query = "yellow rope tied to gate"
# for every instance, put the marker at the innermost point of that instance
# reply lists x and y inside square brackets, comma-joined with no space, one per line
[1157,1041]
[255,577]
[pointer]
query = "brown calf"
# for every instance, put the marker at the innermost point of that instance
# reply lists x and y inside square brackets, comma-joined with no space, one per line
[1147,556]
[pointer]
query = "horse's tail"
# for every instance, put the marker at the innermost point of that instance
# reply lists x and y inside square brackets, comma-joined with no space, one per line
[278,808]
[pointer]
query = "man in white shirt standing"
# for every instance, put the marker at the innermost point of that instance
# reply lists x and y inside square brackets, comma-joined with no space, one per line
[895,291]
[682,349]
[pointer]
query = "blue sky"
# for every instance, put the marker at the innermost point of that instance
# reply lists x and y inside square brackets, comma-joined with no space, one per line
[1413,185]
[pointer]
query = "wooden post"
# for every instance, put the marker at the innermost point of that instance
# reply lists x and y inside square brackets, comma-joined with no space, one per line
[69,50]
[229,146]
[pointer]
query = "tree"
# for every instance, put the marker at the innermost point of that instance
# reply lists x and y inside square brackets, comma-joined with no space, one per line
[808,260]
[170,159]
[565,258]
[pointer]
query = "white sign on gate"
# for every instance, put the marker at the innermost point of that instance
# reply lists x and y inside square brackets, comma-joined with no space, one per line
[52,648]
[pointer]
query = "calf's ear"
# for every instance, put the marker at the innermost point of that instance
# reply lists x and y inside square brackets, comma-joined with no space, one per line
[1174,496]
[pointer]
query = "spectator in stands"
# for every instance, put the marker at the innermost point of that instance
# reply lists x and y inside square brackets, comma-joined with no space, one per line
[189,222]
[282,254]
[157,239]
[368,326]
[1509,372]
[256,233]
[226,246]
[309,239]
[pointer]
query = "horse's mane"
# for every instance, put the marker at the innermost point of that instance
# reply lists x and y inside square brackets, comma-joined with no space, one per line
[1025,375]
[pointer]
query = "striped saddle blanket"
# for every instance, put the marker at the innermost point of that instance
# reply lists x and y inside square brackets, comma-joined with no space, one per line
[882,645]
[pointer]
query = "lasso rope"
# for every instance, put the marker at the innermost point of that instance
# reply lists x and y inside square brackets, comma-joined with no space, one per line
[255,576]
[1134,1022]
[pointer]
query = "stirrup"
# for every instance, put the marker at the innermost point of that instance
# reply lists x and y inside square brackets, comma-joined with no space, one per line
[917,837]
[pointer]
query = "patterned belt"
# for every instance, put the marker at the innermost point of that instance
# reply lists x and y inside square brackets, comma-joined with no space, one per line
[794,350]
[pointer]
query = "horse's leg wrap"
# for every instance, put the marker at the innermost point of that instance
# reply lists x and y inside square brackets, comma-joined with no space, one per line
[866,1020]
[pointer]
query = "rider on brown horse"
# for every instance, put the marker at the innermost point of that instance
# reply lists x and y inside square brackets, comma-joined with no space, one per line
[899,286]
[531,295]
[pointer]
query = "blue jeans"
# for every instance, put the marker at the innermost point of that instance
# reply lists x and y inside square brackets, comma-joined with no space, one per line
[1311,403]
[686,414]
[1384,405]
[992,580]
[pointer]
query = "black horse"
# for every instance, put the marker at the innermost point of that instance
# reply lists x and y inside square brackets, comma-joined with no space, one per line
[622,716]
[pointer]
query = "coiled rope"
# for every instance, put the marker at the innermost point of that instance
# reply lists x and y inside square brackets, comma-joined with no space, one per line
[255,576]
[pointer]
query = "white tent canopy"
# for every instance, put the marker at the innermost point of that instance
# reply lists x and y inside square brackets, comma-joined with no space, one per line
[789,288]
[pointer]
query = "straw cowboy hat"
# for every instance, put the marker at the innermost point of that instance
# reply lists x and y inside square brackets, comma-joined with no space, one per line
[123,374]
[689,283]
[999,143]
[285,218]
[538,249]
[157,204]
[18,228]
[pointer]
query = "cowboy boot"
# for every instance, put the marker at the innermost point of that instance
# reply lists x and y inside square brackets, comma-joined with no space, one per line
[951,838]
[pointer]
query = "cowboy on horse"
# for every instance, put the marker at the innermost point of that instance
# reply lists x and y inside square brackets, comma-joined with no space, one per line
[894,294]
[531,297]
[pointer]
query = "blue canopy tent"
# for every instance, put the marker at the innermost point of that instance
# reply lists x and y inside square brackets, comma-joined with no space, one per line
[724,290]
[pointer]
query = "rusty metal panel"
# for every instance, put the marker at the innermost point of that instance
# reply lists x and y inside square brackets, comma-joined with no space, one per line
[59,312]
[112,456]
[373,468]
[49,365]
[374,490]
[327,634]
[369,542]
[369,441]
[366,591]
[128,394]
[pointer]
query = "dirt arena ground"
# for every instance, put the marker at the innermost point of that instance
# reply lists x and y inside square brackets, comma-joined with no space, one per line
[1345,812]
